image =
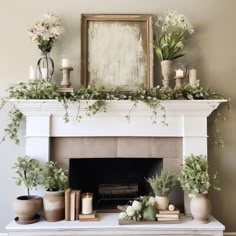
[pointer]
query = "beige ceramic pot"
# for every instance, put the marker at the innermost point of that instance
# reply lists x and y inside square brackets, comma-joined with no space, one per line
[200,207]
[54,205]
[26,209]
[162,202]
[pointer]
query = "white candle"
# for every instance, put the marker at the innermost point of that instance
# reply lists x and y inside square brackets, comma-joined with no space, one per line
[179,73]
[32,73]
[44,72]
[192,77]
[87,203]
[65,62]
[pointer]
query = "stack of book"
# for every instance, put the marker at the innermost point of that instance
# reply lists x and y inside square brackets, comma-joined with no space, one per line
[168,216]
[65,90]
[72,204]
[88,217]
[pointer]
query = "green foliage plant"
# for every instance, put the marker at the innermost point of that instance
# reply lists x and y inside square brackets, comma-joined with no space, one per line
[162,184]
[55,178]
[28,173]
[194,176]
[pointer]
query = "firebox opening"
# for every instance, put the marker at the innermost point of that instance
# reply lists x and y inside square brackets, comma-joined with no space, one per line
[113,181]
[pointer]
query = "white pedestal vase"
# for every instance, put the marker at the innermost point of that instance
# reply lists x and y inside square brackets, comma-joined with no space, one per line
[200,207]
[162,203]
[166,70]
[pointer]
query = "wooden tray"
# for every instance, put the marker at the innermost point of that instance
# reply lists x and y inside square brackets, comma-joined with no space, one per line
[132,222]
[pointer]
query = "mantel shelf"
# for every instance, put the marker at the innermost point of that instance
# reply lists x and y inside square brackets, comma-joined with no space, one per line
[119,108]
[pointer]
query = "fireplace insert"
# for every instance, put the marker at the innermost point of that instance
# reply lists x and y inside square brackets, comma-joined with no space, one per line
[113,181]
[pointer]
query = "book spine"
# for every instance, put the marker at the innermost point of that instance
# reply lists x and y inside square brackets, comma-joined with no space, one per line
[72,205]
[67,204]
[77,204]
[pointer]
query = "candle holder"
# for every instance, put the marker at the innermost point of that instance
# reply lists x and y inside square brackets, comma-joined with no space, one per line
[66,83]
[180,75]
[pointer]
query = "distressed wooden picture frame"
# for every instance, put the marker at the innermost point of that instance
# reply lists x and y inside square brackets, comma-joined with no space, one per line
[117,51]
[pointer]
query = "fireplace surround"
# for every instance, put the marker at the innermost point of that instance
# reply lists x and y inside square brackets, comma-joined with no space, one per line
[48,137]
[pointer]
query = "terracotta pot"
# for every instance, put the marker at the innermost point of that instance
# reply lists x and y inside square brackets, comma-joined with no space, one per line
[54,205]
[200,207]
[166,70]
[162,202]
[26,209]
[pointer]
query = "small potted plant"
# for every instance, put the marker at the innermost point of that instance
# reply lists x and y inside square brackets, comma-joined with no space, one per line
[162,185]
[55,182]
[196,181]
[28,173]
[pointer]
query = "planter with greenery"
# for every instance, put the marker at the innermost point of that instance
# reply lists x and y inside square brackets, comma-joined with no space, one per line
[55,182]
[28,173]
[196,181]
[162,185]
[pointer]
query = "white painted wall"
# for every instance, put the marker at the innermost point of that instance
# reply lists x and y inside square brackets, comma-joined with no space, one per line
[212,51]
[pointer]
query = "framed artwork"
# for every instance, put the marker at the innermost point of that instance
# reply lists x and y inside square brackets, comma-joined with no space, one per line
[117,51]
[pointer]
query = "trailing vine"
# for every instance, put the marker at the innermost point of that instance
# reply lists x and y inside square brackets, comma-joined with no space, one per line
[97,100]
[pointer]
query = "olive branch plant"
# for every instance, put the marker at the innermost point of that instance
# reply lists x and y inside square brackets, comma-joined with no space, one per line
[97,100]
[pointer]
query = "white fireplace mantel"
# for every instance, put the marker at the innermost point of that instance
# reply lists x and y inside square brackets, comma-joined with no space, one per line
[184,118]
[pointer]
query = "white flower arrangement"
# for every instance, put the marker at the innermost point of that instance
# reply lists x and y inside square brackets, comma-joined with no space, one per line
[174,29]
[46,31]
[137,207]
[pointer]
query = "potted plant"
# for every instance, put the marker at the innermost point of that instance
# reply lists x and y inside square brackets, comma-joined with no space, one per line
[162,185]
[28,173]
[55,182]
[195,179]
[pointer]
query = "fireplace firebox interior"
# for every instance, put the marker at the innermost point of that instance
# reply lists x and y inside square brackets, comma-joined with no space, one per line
[113,181]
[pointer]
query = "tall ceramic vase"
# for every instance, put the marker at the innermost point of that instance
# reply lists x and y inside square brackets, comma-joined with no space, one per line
[166,70]
[54,205]
[200,208]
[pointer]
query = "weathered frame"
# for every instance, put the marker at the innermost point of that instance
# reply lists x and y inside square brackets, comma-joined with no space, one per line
[144,21]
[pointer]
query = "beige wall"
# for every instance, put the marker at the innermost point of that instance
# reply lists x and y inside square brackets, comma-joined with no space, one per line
[212,51]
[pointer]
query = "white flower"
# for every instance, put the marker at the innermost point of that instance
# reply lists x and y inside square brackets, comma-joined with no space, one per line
[151,201]
[137,206]
[130,211]
[122,215]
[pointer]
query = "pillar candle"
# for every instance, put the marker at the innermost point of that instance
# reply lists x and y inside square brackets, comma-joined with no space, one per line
[179,73]
[32,73]
[87,203]
[66,62]
[192,77]
[44,72]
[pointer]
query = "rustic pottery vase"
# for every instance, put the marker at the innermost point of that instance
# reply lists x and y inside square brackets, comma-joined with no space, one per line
[26,209]
[166,70]
[54,205]
[162,202]
[200,207]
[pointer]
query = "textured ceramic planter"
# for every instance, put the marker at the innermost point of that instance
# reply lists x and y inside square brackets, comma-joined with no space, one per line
[166,70]
[54,205]
[26,209]
[200,208]
[162,202]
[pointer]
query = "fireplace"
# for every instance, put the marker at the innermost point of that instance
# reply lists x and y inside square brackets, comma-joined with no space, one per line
[113,181]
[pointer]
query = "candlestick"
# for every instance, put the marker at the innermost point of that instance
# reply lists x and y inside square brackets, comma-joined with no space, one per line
[65,63]
[192,77]
[65,83]
[32,73]
[87,203]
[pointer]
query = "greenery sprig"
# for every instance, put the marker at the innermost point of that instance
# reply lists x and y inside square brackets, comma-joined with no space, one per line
[97,99]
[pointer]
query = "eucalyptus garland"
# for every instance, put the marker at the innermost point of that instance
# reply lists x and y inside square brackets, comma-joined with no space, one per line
[45,90]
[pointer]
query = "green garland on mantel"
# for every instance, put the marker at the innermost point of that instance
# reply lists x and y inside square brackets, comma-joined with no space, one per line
[45,90]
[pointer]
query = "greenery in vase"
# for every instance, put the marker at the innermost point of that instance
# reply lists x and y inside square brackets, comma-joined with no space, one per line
[162,184]
[28,173]
[55,178]
[194,176]
[142,208]
[174,30]
[46,31]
